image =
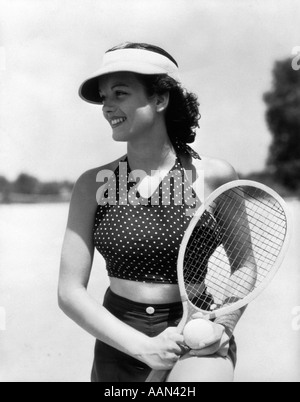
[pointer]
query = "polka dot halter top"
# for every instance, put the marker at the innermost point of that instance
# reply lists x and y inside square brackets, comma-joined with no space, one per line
[140,240]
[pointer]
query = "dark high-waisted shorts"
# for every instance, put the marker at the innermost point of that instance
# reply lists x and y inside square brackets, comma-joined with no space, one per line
[111,365]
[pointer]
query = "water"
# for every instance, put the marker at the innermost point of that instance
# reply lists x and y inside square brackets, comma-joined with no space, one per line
[40,344]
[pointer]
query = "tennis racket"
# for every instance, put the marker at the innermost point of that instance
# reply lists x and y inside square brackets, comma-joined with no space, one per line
[230,251]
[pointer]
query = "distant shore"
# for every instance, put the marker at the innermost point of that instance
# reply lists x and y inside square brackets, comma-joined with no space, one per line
[27,189]
[62,192]
[17,198]
[55,199]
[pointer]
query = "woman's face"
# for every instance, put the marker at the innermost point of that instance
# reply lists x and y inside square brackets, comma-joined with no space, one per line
[126,106]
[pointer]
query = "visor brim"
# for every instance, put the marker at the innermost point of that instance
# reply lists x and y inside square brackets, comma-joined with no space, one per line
[89,91]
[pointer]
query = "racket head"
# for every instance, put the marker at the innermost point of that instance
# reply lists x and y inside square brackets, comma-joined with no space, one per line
[240,220]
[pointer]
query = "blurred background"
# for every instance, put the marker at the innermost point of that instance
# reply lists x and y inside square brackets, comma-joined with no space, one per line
[242,59]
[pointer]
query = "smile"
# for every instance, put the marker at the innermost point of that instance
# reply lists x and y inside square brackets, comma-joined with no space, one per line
[117,121]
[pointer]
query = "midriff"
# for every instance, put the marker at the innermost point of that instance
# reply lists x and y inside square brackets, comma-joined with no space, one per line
[140,292]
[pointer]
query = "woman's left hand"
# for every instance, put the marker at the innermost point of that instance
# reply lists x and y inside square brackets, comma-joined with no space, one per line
[218,343]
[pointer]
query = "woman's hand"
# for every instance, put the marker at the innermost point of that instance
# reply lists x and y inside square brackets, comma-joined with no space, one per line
[164,350]
[218,343]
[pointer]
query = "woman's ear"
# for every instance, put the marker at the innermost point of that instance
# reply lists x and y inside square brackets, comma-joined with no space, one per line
[162,102]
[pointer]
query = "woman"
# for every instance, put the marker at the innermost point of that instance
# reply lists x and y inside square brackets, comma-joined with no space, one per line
[139,232]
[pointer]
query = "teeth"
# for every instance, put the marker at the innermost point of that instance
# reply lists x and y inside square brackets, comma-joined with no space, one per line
[118,120]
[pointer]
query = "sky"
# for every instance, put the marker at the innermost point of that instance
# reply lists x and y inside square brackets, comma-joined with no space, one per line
[225,50]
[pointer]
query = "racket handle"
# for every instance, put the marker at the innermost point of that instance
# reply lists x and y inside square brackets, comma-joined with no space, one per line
[157,376]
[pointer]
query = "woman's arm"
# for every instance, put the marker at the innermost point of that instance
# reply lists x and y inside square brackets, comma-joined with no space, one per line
[76,263]
[219,172]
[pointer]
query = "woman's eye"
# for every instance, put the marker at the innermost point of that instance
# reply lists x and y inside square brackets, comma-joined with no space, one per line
[120,93]
[117,94]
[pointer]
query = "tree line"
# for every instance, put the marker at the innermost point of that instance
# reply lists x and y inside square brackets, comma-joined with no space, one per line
[283,120]
[28,188]
[282,100]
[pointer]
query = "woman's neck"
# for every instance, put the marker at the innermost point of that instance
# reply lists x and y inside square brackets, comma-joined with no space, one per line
[158,155]
[152,150]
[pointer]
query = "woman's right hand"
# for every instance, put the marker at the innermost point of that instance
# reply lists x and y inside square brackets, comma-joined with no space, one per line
[164,350]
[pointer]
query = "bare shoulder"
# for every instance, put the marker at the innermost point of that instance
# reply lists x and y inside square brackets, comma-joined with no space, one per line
[87,185]
[217,171]
[89,180]
[84,200]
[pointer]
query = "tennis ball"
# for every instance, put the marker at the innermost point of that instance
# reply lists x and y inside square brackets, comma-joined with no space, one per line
[197,331]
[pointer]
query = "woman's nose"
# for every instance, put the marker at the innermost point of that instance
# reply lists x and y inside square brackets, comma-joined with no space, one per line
[108,108]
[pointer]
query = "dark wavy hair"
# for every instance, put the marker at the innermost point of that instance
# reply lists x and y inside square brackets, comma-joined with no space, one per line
[182,114]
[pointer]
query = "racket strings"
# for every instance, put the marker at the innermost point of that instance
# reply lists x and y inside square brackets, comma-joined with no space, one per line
[256,230]
[233,251]
[259,236]
[234,238]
